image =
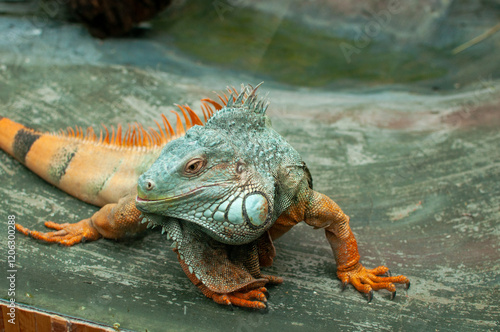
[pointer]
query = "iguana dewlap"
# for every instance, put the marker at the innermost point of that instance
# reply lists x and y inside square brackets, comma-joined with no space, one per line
[222,191]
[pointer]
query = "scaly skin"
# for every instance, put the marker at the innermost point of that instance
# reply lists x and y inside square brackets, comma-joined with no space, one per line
[223,192]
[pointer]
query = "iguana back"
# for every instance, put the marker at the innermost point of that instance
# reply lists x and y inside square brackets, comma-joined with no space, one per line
[97,169]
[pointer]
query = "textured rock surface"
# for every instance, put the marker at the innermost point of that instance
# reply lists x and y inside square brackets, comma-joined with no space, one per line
[417,171]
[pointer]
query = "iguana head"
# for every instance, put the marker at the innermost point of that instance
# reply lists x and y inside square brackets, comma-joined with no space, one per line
[211,176]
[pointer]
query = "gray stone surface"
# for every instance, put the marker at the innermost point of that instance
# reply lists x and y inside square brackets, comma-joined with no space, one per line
[417,170]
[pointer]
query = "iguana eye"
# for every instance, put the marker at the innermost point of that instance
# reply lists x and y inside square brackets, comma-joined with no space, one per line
[194,166]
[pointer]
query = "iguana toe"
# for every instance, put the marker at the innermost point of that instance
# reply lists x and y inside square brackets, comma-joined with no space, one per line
[273,280]
[257,294]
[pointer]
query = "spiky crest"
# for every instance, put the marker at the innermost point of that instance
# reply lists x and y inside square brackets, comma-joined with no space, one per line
[137,136]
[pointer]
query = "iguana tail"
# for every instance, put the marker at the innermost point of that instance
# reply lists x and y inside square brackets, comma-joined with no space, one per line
[97,169]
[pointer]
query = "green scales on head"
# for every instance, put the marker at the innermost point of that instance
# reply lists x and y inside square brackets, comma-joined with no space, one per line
[224,176]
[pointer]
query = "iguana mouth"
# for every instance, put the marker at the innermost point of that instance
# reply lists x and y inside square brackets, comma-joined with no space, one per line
[167,198]
[141,199]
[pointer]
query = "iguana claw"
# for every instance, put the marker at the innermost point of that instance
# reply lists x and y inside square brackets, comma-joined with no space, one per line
[267,295]
[370,296]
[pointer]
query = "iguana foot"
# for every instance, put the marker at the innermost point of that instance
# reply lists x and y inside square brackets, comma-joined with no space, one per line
[368,280]
[113,221]
[255,298]
[67,234]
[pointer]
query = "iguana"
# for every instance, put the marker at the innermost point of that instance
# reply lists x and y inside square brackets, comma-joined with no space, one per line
[222,191]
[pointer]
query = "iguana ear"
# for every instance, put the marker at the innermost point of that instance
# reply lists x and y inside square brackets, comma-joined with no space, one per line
[292,178]
[308,175]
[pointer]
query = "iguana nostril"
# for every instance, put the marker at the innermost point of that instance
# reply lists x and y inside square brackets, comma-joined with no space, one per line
[150,185]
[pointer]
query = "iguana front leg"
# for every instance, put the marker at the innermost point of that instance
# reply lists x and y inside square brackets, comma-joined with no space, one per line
[112,221]
[320,211]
